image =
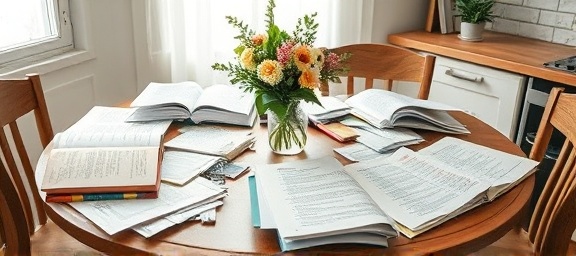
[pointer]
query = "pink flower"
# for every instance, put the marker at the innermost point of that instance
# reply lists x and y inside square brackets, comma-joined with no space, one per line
[283,53]
[332,61]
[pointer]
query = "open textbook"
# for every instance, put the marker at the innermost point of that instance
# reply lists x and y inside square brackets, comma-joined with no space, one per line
[314,202]
[415,190]
[218,103]
[386,109]
[102,154]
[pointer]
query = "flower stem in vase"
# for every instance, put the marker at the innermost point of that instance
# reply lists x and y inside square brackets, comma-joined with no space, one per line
[287,134]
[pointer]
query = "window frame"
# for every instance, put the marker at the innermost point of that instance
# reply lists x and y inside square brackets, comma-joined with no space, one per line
[46,47]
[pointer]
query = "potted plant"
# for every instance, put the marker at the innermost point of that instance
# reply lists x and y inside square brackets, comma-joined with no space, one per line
[473,14]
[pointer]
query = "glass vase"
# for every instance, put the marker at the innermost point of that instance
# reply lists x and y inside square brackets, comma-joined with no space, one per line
[287,134]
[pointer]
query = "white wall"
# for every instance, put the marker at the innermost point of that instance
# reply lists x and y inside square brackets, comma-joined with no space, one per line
[392,16]
[389,17]
[102,72]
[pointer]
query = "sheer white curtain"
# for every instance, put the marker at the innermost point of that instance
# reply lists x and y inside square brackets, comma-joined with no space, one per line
[186,37]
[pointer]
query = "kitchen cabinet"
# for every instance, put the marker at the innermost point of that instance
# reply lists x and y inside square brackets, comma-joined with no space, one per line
[492,95]
[507,55]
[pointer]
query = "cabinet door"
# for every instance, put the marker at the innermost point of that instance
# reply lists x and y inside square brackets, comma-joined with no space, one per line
[493,96]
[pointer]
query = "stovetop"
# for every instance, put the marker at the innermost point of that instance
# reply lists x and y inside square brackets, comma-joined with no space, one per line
[566,64]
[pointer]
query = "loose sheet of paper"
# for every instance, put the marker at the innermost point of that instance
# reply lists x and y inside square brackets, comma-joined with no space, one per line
[382,140]
[356,152]
[212,140]
[116,215]
[331,109]
[153,227]
[180,167]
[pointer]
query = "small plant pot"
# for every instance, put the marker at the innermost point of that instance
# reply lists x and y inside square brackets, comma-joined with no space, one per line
[471,31]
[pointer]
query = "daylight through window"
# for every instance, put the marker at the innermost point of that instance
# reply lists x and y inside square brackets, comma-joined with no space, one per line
[33,29]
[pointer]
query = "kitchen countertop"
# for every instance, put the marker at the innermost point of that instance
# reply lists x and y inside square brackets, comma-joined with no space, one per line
[498,50]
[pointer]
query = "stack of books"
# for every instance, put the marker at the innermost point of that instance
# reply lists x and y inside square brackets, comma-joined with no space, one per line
[101,161]
[102,157]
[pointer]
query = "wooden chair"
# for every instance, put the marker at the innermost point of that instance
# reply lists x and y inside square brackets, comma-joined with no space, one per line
[24,226]
[554,218]
[386,62]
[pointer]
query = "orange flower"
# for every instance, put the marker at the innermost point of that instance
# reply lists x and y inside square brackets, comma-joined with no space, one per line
[247,59]
[270,71]
[309,79]
[259,39]
[302,57]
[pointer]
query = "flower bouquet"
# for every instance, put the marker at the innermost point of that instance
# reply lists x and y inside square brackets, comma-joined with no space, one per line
[281,70]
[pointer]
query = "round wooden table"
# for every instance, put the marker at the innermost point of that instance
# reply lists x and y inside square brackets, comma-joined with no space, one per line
[233,232]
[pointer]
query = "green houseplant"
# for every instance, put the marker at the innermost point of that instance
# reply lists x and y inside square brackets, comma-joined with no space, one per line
[474,14]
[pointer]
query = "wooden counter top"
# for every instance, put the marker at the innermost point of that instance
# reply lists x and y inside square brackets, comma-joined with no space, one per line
[502,51]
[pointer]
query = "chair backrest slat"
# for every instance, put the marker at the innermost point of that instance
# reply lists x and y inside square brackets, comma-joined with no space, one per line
[387,62]
[17,239]
[553,221]
[19,97]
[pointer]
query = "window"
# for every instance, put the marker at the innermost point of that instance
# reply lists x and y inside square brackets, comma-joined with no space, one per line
[33,29]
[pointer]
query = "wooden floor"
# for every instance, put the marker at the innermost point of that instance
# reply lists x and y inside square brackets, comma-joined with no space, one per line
[50,240]
[510,249]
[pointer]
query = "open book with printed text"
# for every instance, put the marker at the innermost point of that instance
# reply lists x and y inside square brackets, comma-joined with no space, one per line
[410,191]
[103,154]
[386,109]
[314,202]
[218,103]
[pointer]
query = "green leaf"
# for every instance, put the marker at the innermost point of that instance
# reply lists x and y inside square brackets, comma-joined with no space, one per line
[238,50]
[259,104]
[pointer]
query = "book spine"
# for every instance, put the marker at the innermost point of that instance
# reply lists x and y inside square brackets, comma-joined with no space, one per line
[328,132]
[99,197]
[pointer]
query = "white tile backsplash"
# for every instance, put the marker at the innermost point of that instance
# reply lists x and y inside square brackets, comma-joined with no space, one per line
[548,20]
[567,5]
[505,26]
[542,4]
[557,19]
[536,31]
[562,36]
[520,13]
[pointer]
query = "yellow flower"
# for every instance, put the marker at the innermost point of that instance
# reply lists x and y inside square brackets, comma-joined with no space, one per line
[259,39]
[302,57]
[247,59]
[309,79]
[270,71]
[317,57]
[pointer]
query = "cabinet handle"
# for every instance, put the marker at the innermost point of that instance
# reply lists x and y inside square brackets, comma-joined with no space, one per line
[475,79]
